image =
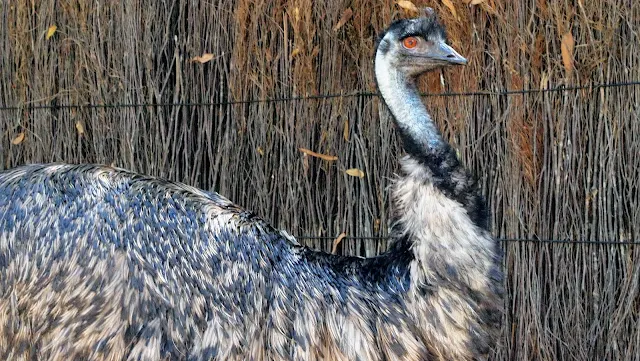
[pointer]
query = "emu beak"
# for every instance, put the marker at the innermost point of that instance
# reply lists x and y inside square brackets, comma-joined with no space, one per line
[444,52]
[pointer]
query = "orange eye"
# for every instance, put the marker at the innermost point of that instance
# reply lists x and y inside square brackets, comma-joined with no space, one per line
[410,42]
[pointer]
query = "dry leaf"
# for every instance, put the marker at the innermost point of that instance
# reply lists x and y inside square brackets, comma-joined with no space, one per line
[346,15]
[336,242]
[18,139]
[52,30]
[355,172]
[567,52]
[260,151]
[451,7]
[486,6]
[345,133]
[206,57]
[318,155]
[295,52]
[80,127]
[407,5]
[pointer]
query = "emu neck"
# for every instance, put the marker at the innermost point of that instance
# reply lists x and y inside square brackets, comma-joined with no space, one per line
[439,211]
[400,94]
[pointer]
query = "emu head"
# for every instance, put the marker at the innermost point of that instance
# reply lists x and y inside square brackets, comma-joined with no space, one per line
[415,46]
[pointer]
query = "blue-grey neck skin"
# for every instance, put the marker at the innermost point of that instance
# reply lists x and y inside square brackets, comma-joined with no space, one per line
[401,96]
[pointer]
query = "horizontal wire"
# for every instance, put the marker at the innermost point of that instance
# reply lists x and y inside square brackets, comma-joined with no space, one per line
[325,96]
[364,94]
[505,240]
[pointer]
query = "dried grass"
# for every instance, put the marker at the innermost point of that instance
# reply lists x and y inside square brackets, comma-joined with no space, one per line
[560,165]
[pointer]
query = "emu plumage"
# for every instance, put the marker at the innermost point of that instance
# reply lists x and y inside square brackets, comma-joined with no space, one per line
[100,263]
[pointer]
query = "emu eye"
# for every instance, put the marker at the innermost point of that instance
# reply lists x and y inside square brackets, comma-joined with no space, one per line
[410,42]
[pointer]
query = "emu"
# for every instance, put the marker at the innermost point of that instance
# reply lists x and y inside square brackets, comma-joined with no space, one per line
[98,263]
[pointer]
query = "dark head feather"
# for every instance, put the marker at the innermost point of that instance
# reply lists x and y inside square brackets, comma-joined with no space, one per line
[427,26]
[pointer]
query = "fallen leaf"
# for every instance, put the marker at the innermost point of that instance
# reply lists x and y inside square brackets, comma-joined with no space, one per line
[345,132]
[355,172]
[336,242]
[52,30]
[318,155]
[206,57]
[18,139]
[80,127]
[346,15]
[567,52]
[295,52]
[260,151]
[451,7]
[407,5]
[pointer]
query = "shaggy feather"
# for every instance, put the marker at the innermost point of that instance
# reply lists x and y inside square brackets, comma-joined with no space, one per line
[99,263]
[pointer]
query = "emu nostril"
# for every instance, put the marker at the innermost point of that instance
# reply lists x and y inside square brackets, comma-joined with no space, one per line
[451,56]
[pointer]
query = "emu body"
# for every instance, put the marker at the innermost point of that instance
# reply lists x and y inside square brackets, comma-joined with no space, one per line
[99,263]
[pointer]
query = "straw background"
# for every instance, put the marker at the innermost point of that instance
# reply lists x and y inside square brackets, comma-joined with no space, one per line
[553,165]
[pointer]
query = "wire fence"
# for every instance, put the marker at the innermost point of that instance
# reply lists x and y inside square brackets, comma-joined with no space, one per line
[509,92]
[503,240]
